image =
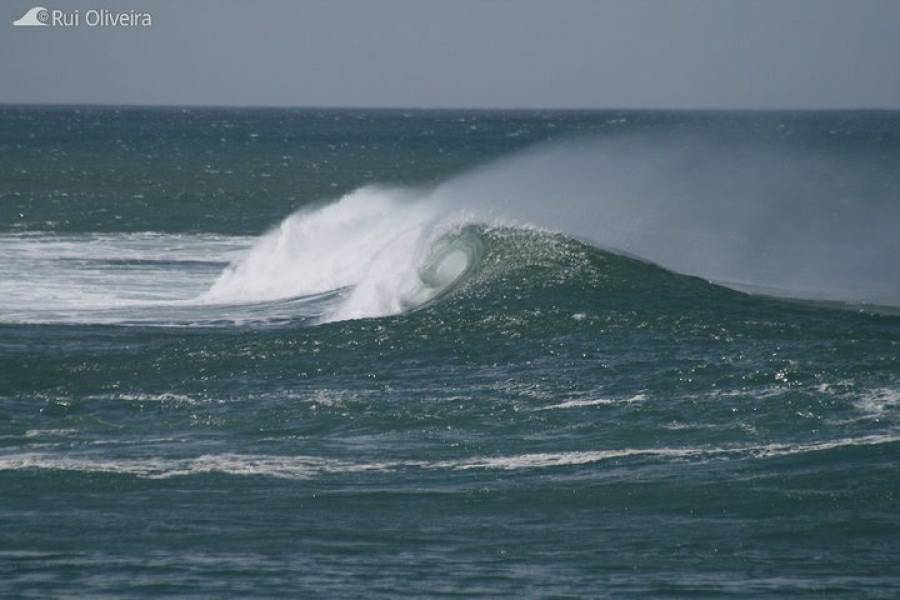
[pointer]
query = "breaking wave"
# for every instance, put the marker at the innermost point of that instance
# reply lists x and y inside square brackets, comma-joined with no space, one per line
[755,219]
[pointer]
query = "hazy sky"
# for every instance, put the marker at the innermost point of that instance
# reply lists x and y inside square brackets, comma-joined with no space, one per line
[465,53]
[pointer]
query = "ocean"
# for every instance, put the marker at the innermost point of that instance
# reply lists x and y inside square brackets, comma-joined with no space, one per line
[381,353]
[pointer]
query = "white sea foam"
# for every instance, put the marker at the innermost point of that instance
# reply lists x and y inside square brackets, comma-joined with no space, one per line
[578,404]
[388,248]
[165,397]
[44,433]
[878,401]
[45,277]
[593,402]
[304,467]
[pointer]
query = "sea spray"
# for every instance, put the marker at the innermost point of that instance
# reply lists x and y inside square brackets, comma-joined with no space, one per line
[756,217]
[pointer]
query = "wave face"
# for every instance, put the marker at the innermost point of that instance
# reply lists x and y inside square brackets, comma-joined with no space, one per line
[762,217]
[742,219]
[755,217]
[525,362]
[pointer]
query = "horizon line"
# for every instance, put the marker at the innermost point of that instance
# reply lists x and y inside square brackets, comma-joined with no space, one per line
[336,107]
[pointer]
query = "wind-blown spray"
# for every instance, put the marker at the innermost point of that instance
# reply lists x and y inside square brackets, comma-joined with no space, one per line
[754,217]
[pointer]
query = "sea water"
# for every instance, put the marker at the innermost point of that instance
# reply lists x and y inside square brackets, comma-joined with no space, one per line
[291,353]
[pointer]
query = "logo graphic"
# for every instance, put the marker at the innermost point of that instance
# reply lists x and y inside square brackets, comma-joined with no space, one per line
[35,17]
[93,17]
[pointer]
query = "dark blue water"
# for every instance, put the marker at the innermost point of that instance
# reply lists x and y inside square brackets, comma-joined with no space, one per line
[260,353]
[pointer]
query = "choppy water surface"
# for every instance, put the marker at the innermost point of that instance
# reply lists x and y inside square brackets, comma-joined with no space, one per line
[348,353]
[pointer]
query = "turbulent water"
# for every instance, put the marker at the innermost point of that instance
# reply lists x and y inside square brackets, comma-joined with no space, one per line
[292,353]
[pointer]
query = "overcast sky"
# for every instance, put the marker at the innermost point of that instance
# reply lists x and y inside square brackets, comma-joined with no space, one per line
[465,53]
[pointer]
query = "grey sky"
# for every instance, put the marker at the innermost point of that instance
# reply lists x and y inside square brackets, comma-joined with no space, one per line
[465,53]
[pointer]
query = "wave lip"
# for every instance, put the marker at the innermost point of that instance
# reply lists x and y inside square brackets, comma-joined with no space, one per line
[386,251]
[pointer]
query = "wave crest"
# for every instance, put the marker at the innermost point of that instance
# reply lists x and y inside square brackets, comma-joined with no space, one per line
[758,219]
[383,249]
